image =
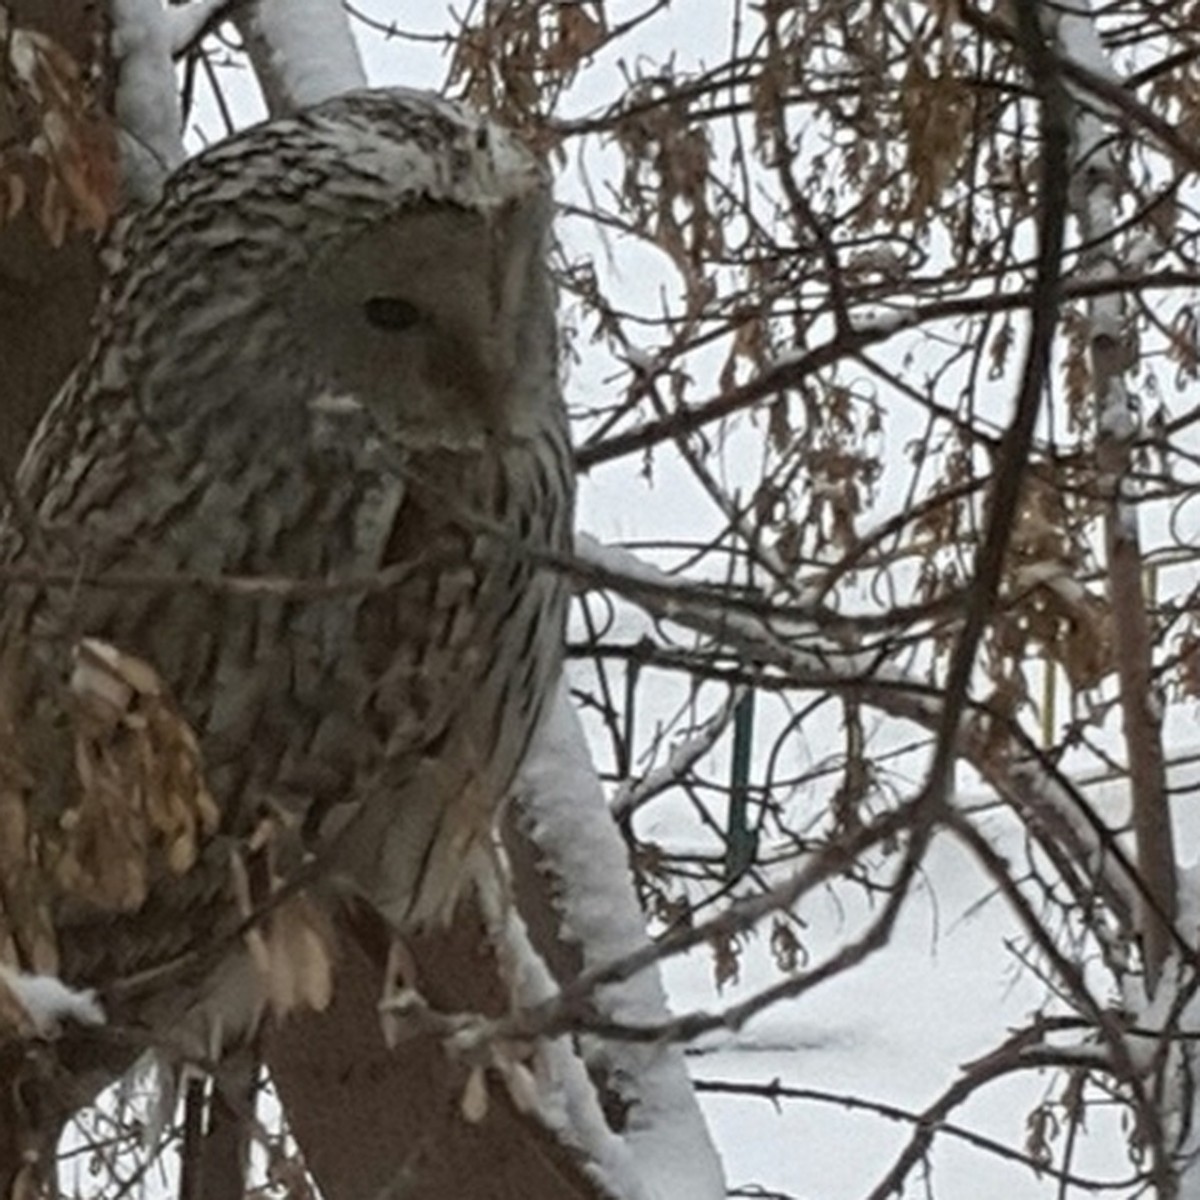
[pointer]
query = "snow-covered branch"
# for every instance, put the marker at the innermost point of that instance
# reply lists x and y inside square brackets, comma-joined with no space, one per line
[633,793]
[792,654]
[303,51]
[37,1005]
[147,100]
[562,811]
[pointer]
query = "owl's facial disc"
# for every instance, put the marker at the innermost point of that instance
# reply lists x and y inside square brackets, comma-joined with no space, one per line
[421,318]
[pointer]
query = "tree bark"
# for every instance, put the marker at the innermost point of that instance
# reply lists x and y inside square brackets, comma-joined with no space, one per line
[47,293]
[376,1123]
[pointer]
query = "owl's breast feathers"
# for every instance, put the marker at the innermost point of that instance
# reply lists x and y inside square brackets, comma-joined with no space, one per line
[360,643]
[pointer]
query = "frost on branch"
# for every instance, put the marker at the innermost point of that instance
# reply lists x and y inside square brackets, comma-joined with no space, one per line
[303,51]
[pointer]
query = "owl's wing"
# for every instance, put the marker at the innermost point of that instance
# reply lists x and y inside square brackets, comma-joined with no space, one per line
[236,594]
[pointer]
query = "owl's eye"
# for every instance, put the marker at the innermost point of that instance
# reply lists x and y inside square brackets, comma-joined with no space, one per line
[391,313]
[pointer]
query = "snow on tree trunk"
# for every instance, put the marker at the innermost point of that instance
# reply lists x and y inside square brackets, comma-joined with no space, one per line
[302,50]
[147,97]
[562,810]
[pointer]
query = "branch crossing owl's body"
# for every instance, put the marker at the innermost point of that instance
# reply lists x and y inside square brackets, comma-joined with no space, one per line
[324,368]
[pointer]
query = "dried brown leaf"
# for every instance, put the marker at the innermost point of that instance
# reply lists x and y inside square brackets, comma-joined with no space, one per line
[474,1102]
[785,947]
[67,147]
[579,34]
[16,191]
[293,950]
[144,808]
[727,955]
[937,110]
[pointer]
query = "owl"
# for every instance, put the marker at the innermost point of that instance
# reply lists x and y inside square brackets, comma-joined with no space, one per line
[283,610]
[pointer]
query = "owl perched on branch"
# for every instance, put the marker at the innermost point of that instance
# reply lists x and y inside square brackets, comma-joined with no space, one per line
[279,610]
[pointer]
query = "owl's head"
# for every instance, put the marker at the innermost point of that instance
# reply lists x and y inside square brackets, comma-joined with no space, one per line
[386,248]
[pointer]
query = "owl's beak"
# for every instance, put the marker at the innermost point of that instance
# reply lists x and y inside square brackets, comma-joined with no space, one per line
[509,252]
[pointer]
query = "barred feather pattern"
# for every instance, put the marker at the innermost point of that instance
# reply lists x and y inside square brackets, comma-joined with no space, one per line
[402,491]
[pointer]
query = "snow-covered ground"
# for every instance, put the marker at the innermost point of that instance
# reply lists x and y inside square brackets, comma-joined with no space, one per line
[894,1030]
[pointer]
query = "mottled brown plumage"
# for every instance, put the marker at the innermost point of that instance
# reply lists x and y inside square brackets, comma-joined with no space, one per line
[305,472]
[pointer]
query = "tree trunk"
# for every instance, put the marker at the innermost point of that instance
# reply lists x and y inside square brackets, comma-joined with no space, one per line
[374,1122]
[46,293]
